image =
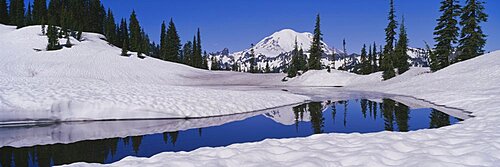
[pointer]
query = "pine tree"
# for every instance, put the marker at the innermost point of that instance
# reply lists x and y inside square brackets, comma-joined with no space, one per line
[446,32]
[17,13]
[315,51]
[472,38]
[401,55]
[53,40]
[364,62]
[198,49]
[135,33]
[302,61]
[195,53]
[39,11]
[252,60]
[125,48]
[110,28]
[268,69]
[375,55]
[173,43]
[4,14]
[292,67]
[370,59]
[124,37]
[434,64]
[388,55]
[345,55]
[163,41]
[187,51]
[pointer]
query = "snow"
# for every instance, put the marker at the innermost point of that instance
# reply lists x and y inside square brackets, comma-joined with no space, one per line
[91,81]
[471,86]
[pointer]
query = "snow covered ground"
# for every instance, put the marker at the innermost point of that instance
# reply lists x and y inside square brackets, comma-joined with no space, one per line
[471,85]
[90,81]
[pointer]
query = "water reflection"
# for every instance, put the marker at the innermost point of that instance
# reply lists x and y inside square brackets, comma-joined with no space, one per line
[186,135]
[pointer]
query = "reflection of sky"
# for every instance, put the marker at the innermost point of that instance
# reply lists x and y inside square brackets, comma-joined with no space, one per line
[260,127]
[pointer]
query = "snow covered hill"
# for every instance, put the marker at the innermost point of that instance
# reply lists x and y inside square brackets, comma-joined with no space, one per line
[92,81]
[276,49]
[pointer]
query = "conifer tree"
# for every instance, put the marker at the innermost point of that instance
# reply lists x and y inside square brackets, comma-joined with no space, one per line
[199,59]
[364,61]
[4,14]
[110,28]
[252,60]
[195,52]
[125,48]
[446,32]
[124,37]
[472,38]
[173,43]
[135,33]
[401,55]
[294,63]
[315,51]
[375,55]
[39,11]
[370,59]
[388,55]
[53,40]
[432,58]
[163,41]
[268,69]
[187,51]
[302,61]
[16,13]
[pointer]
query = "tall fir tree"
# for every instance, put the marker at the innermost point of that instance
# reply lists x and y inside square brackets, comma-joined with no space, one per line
[163,41]
[187,52]
[135,32]
[446,32]
[16,13]
[370,58]
[294,63]
[110,28]
[198,51]
[472,38]
[315,51]
[375,55]
[39,11]
[388,54]
[173,43]
[365,62]
[252,68]
[4,12]
[401,55]
[52,36]
[123,33]
[195,52]
[28,20]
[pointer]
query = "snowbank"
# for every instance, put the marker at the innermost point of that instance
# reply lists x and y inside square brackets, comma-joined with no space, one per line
[91,81]
[471,85]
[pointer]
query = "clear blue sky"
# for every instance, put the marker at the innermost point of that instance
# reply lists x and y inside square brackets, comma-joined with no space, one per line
[236,24]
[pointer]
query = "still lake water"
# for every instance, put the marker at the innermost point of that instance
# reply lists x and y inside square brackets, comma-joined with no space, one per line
[361,116]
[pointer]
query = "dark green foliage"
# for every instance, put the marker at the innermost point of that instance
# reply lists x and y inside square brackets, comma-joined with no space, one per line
[365,62]
[400,54]
[302,61]
[4,14]
[294,63]
[315,51]
[374,59]
[214,64]
[16,13]
[135,33]
[432,58]
[268,69]
[28,20]
[173,43]
[446,32]
[187,53]
[253,62]
[197,57]
[110,28]
[125,48]
[123,34]
[53,40]
[472,38]
[388,54]
[163,42]
[39,11]
[317,119]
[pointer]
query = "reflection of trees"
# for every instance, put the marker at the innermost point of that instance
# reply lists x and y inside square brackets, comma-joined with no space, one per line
[298,111]
[6,156]
[173,137]
[402,113]
[364,106]
[387,112]
[375,110]
[439,119]
[136,143]
[334,112]
[317,120]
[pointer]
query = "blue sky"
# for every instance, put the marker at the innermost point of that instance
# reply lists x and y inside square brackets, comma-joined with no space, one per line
[236,24]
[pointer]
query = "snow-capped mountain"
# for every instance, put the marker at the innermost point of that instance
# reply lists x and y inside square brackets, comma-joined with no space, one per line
[276,50]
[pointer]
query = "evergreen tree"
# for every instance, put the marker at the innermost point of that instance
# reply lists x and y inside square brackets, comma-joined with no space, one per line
[268,69]
[124,37]
[110,28]
[173,43]
[54,12]
[135,33]
[388,55]
[4,14]
[163,42]
[446,32]
[39,11]
[214,64]
[434,64]
[53,40]
[125,48]
[364,62]
[344,67]
[252,60]
[302,61]
[195,53]
[197,57]
[472,38]
[16,13]
[315,51]
[187,51]
[294,63]
[370,59]
[401,55]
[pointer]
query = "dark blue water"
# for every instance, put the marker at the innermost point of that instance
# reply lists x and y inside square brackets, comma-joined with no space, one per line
[361,116]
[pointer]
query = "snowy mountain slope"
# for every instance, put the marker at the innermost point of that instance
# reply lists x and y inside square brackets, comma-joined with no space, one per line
[91,81]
